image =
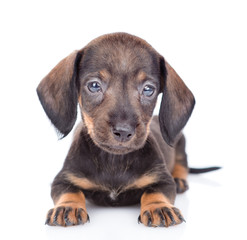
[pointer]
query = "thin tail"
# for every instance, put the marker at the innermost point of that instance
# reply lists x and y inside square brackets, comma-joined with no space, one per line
[203,170]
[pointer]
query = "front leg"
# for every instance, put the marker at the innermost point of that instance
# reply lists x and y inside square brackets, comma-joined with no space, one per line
[69,204]
[157,208]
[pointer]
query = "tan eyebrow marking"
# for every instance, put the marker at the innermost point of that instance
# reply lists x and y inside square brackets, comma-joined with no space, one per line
[104,74]
[141,76]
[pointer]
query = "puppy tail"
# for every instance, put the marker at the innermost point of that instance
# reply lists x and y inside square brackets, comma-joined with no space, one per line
[203,170]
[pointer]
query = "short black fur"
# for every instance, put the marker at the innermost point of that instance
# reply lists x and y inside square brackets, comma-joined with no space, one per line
[99,166]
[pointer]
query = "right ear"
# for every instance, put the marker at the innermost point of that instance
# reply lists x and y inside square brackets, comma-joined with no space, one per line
[58,93]
[176,105]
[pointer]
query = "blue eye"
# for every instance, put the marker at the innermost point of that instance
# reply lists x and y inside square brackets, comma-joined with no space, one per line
[148,90]
[94,87]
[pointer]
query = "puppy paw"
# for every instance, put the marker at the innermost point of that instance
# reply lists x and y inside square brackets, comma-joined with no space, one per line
[160,215]
[66,216]
[181,185]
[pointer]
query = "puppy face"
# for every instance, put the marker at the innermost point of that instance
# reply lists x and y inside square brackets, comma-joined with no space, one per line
[119,85]
[116,80]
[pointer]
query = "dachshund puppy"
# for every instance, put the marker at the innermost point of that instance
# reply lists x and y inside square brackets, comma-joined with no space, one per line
[120,154]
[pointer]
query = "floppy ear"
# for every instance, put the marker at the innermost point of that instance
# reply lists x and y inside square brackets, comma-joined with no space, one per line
[58,93]
[176,105]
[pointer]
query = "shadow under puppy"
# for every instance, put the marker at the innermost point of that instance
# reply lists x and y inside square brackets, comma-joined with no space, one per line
[120,154]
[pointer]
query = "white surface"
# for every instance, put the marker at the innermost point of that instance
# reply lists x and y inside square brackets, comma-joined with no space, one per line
[205,41]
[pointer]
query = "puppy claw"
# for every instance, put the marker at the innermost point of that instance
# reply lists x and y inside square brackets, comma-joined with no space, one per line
[48,218]
[139,219]
[168,212]
[178,214]
[162,218]
[66,218]
[57,219]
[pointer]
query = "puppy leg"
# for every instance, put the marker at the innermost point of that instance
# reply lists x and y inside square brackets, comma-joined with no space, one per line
[70,205]
[157,208]
[180,171]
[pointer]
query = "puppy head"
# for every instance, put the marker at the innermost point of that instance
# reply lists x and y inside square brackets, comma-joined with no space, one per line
[116,79]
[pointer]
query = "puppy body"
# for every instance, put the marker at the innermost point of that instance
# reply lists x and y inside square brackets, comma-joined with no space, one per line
[120,154]
[110,179]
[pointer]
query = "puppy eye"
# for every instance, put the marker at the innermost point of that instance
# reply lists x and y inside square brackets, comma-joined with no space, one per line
[148,90]
[94,87]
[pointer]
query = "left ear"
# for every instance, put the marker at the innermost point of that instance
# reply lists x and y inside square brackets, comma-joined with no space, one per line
[177,103]
[58,93]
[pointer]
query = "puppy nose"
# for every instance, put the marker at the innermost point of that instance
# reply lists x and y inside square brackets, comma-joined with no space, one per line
[123,132]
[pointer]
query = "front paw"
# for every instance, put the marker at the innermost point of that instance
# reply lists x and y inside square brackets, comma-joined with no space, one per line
[160,215]
[66,216]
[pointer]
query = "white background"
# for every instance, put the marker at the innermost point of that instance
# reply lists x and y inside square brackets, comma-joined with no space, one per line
[205,42]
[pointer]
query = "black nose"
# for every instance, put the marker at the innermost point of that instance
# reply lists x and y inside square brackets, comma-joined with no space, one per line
[123,132]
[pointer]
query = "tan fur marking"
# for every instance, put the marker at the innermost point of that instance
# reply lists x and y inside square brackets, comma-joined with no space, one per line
[71,197]
[180,171]
[143,181]
[148,128]
[104,74]
[80,102]
[141,76]
[83,183]
[88,122]
[148,198]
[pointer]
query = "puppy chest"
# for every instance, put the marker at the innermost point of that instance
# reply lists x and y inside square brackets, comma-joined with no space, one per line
[113,198]
[123,190]
[114,188]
